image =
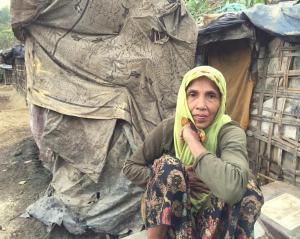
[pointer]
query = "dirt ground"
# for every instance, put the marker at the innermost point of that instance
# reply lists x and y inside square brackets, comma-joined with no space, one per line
[22,177]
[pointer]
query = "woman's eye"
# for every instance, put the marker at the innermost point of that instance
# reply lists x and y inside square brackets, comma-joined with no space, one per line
[192,94]
[212,96]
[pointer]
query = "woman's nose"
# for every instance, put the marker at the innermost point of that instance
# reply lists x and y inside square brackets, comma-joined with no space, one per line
[201,103]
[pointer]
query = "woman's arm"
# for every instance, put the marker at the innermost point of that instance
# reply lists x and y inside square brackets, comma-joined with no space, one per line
[227,176]
[136,168]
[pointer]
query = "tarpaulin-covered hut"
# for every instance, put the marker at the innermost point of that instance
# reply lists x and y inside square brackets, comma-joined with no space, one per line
[10,60]
[100,76]
[258,50]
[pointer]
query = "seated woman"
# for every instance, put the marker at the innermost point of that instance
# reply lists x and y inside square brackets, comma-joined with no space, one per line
[196,186]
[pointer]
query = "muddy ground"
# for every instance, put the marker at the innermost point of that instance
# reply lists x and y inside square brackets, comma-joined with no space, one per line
[22,177]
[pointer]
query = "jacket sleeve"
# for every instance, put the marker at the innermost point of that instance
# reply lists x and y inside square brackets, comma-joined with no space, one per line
[137,167]
[227,176]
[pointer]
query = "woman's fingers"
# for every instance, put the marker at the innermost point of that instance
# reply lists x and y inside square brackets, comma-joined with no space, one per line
[195,190]
[186,133]
[184,130]
[195,183]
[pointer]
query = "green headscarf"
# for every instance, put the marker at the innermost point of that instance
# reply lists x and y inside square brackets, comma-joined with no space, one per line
[182,110]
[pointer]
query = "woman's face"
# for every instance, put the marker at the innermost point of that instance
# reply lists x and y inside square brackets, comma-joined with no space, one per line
[203,99]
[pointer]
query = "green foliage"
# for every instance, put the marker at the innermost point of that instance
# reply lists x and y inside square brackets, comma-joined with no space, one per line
[7,38]
[199,7]
[248,3]
[4,16]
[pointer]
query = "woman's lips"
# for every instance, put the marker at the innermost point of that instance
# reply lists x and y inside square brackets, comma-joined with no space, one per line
[200,118]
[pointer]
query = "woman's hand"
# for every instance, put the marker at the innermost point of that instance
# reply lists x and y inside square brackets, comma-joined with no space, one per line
[188,134]
[195,183]
[192,139]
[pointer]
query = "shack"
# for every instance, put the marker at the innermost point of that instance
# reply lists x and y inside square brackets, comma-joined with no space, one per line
[100,76]
[261,66]
[12,67]
[258,50]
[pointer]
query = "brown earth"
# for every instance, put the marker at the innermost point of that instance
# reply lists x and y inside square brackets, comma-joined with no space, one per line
[22,177]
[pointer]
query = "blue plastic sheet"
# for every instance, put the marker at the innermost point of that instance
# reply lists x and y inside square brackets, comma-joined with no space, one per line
[232,7]
[281,20]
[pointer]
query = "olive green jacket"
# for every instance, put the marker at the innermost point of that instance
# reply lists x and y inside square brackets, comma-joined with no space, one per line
[225,173]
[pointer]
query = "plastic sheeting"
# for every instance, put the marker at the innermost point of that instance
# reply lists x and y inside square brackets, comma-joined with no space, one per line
[230,26]
[101,75]
[127,63]
[71,147]
[282,19]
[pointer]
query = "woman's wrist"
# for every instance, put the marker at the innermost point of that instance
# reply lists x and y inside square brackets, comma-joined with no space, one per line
[195,147]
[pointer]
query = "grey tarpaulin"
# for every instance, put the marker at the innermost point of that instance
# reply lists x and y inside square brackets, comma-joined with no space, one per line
[282,19]
[101,75]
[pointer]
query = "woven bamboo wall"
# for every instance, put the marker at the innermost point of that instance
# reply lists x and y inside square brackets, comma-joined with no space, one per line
[20,75]
[273,134]
[8,76]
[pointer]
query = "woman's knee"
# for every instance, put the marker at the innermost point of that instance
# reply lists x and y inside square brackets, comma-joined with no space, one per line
[170,172]
[167,161]
[252,201]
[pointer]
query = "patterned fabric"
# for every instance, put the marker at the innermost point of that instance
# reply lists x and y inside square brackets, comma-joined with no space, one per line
[166,199]
[167,202]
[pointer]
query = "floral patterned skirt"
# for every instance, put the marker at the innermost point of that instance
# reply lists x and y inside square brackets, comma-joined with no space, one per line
[167,202]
